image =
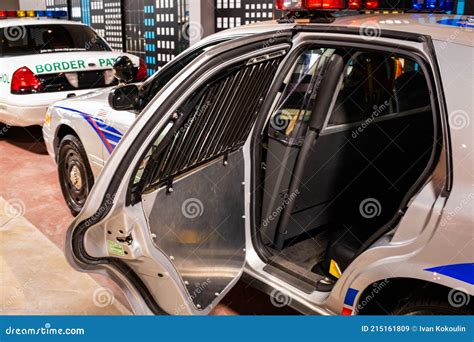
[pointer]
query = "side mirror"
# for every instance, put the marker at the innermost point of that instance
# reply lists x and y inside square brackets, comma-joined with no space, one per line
[124,69]
[125,97]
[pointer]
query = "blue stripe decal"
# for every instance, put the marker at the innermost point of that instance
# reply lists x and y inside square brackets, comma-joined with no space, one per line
[350,296]
[109,136]
[105,127]
[463,272]
[456,22]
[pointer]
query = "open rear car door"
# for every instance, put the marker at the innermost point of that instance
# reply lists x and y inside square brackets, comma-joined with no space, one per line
[166,219]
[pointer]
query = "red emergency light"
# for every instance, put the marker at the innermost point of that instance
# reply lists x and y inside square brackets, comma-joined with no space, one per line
[8,14]
[355,4]
[311,5]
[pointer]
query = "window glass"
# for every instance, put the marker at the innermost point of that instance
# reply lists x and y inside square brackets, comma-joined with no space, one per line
[293,111]
[376,84]
[151,87]
[38,39]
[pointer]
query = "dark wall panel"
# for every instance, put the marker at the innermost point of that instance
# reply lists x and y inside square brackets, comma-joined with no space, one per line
[57,5]
[76,10]
[233,13]
[134,18]
[153,30]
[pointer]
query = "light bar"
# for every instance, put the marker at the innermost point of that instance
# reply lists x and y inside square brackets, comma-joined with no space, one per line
[32,14]
[308,5]
[311,5]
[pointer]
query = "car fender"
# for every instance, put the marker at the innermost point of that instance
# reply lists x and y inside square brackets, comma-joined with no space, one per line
[424,257]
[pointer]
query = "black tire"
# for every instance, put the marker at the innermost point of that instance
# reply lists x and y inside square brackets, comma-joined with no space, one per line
[75,174]
[430,307]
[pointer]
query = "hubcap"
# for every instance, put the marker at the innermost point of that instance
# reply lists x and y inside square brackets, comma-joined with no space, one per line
[75,177]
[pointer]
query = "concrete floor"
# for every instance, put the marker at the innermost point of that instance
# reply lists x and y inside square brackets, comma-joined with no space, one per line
[34,275]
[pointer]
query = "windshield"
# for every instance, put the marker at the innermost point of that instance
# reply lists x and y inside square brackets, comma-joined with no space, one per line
[49,38]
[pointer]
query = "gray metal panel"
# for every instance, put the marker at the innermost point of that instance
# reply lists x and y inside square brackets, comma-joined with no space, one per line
[204,236]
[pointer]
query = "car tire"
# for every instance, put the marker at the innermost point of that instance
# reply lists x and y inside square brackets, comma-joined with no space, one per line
[75,174]
[430,307]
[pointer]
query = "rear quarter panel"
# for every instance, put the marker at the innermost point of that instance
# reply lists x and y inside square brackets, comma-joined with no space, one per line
[436,232]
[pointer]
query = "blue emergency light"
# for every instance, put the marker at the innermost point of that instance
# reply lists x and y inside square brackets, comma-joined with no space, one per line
[433,5]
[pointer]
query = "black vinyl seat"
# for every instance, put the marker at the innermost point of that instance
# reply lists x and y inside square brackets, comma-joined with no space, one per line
[380,163]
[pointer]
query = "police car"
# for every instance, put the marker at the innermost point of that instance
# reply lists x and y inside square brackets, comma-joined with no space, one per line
[44,59]
[324,158]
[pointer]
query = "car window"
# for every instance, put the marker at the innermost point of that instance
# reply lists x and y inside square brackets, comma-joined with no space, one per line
[49,38]
[376,84]
[218,119]
[293,110]
[160,79]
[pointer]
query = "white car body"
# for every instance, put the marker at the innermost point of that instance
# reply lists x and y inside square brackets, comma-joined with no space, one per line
[30,109]
[431,243]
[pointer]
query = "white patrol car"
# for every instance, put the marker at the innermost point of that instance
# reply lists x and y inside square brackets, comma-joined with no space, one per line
[326,160]
[81,132]
[43,60]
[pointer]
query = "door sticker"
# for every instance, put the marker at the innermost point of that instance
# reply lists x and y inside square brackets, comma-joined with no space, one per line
[115,248]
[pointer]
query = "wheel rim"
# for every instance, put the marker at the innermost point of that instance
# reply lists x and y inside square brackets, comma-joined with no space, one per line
[74,180]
